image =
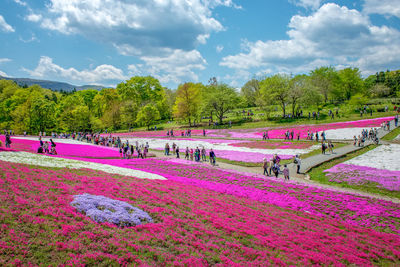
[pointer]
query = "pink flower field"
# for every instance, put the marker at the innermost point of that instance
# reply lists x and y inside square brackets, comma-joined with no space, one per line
[192,226]
[362,175]
[274,133]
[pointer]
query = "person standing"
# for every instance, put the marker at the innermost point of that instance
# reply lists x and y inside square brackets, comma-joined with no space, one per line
[286,172]
[187,153]
[8,141]
[177,152]
[212,157]
[323,147]
[203,154]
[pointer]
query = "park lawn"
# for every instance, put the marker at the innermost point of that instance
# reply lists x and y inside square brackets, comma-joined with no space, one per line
[318,174]
[392,134]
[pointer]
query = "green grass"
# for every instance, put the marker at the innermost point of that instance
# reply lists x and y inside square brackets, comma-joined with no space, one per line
[317,174]
[392,134]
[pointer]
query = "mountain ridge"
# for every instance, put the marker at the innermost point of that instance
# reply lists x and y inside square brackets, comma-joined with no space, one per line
[52,85]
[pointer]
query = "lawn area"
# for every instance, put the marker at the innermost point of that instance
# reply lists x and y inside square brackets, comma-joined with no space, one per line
[393,134]
[318,174]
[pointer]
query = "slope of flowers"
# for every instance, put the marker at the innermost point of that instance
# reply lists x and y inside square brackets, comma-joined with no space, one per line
[352,209]
[337,130]
[361,175]
[192,226]
[48,161]
[379,167]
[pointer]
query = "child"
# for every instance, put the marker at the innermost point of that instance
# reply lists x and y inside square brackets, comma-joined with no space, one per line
[286,172]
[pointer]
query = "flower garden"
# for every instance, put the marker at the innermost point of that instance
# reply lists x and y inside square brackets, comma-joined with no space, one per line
[377,168]
[87,206]
[192,224]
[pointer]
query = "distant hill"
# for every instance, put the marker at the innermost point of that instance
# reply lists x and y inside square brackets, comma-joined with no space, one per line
[52,85]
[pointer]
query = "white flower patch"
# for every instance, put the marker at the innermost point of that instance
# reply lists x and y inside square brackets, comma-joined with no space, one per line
[47,161]
[155,143]
[385,157]
[344,133]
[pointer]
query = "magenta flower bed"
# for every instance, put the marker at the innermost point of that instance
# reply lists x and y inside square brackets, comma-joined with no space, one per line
[192,226]
[63,149]
[361,175]
[352,209]
[90,151]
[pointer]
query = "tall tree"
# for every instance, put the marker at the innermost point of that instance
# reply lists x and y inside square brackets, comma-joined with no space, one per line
[324,80]
[221,99]
[249,92]
[274,89]
[351,82]
[297,87]
[188,100]
[147,115]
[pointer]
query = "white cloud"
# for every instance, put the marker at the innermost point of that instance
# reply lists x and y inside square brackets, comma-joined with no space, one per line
[176,67]
[219,48]
[313,4]
[3,74]
[19,2]
[34,17]
[333,35]
[3,60]
[29,40]
[384,7]
[136,27]
[4,26]
[47,69]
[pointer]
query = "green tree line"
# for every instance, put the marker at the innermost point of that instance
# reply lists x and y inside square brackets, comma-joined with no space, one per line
[142,101]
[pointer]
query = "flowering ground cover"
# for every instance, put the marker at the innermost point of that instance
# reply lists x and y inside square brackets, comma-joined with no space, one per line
[191,226]
[337,130]
[378,167]
[230,149]
[273,145]
[59,162]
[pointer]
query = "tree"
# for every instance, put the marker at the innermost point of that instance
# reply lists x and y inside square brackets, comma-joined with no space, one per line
[351,83]
[297,87]
[249,92]
[324,79]
[276,89]
[141,90]
[312,97]
[221,99]
[188,100]
[147,115]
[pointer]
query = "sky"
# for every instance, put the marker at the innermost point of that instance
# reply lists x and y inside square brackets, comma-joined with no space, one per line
[105,42]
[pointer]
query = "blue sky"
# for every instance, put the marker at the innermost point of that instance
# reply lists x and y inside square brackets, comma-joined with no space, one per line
[108,41]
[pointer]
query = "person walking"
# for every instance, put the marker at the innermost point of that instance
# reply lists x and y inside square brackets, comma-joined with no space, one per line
[265,166]
[177,152]
[297,161]
[275,169]
[203,154]
[323,147]
[330,146]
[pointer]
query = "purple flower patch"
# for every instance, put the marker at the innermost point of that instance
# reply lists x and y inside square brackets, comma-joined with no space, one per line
[103,209]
